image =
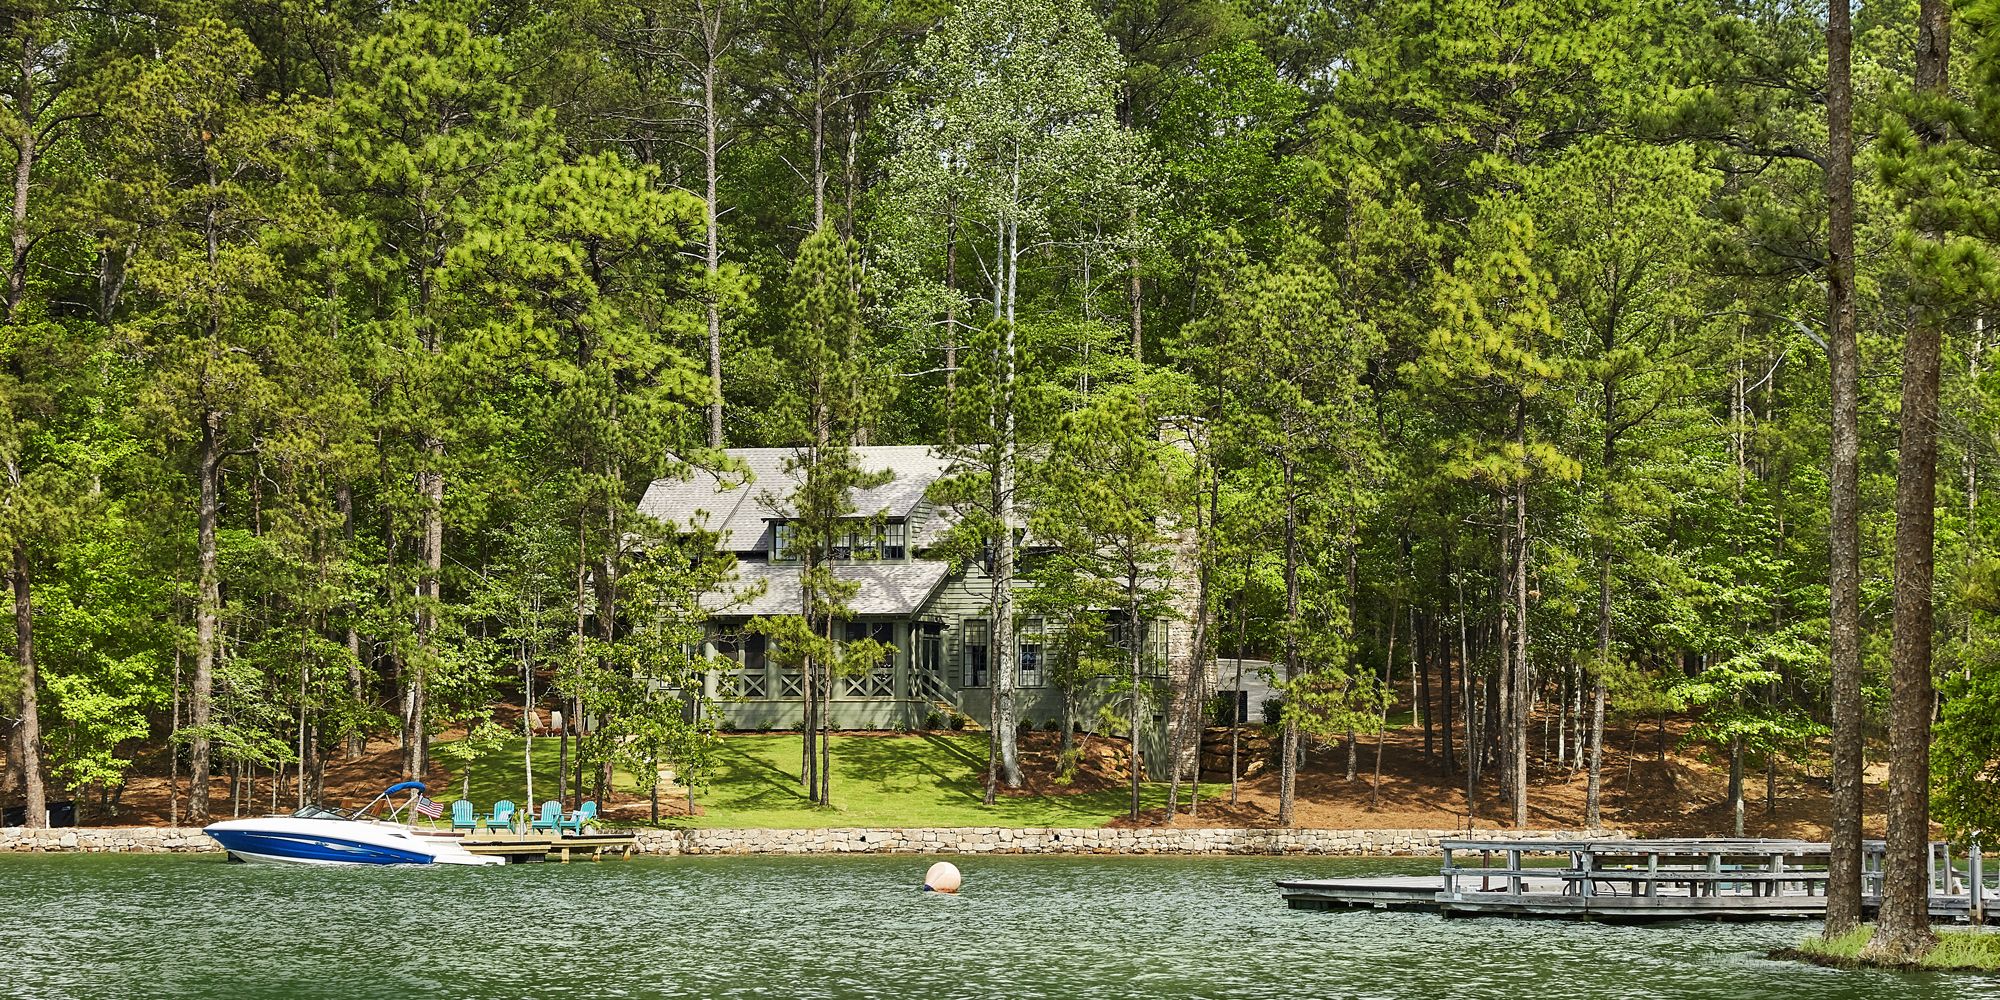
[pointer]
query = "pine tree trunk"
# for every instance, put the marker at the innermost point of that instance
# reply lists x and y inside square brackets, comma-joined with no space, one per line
[1843,889]
[430,483]
[1288,755]
[29,728]
[1137,642]
[711,29]
[208,609]
[1903,930]
[1524,674]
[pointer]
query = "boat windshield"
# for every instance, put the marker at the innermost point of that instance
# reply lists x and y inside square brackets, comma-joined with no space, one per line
[320,812]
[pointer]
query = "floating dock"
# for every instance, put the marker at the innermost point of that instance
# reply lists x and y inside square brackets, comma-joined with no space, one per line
[521,848]
[1639,881]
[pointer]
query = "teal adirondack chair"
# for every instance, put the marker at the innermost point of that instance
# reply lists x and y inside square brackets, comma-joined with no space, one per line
[577,819]
[503,816]
[462,815]
[551,817]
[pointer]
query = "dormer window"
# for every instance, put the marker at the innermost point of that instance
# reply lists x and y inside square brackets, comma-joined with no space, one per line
[892,540]
[782,534]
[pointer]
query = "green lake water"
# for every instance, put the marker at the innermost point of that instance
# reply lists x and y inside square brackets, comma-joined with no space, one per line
[116,926]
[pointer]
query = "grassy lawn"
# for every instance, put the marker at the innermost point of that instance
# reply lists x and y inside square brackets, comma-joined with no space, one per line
[927,779]
[1957,950]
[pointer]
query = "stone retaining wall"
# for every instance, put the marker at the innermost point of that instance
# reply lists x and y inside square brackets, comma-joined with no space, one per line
[108,839]
[995,840]
[945,840]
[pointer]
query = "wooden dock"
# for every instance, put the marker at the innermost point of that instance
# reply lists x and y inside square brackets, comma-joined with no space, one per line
[1639,881]
[520,848]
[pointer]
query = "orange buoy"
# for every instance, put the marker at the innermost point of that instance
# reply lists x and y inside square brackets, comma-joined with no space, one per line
[942,877]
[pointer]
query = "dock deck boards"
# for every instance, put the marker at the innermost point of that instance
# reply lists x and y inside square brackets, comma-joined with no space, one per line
[1630,881]
[519,848]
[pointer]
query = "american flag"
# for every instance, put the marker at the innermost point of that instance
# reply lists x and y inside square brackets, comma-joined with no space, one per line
[429,806]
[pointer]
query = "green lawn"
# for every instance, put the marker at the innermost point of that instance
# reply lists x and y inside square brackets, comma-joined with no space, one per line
[1957,950]
[928,779]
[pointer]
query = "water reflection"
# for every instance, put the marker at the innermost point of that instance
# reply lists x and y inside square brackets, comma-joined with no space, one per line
[1115,928]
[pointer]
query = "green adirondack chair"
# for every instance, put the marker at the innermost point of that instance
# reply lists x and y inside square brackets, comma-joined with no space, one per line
[503,816]
[463,816]
[551,818]
[576,820]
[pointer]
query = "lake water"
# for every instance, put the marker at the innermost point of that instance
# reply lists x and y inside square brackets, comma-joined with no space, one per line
[117,926]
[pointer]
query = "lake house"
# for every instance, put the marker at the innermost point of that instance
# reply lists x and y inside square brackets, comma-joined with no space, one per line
[935,615]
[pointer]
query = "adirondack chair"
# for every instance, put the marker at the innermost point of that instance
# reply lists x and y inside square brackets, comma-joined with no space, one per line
[551,818]
[503,816]
[463,817]
[576,820]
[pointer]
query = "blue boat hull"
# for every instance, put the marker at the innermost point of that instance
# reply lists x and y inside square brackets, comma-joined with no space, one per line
[303,849]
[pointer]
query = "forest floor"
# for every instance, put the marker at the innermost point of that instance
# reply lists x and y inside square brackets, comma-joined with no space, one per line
[936,779]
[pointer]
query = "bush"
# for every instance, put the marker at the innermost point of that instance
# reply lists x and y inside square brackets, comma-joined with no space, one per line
[1052,726]
[1024,727]
[1067,764]
[932,720]
[1274,711]
[959,720]
[764,727]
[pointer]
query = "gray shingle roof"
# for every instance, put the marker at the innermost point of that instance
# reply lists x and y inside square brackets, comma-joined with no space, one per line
[738,507]
[887,588]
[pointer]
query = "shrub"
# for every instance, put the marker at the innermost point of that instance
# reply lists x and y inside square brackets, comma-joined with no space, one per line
[1067,764]
[1052,726]
[1274,711]
[959,720]
[932,720]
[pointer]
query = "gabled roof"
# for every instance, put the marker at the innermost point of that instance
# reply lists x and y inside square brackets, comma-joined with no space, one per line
[886,588]
[739,507]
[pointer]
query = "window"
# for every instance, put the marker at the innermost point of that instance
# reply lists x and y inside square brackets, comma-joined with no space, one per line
[927,680]
[892,540]
[862,542]
[781,541]
[1030,645]
[1153,656]
[973,645]
[880,681]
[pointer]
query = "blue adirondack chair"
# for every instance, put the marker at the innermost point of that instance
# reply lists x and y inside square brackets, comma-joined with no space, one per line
[503,816]
[576,820]
[551,819]
[462,815]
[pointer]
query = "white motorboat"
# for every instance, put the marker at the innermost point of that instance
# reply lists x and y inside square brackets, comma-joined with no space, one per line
[317,835]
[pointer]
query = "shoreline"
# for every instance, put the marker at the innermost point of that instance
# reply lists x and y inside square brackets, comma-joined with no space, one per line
[1151,841]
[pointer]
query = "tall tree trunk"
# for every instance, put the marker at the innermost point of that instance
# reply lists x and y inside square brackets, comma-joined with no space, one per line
[208,609]
[1000,655]
[1137,642]
[1382,716]
[1903,930]
[430,483]
[1524,673]
[1843,889]
[29,729]
[711,29]
[1288,759]
[951,323]
[1134,298]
